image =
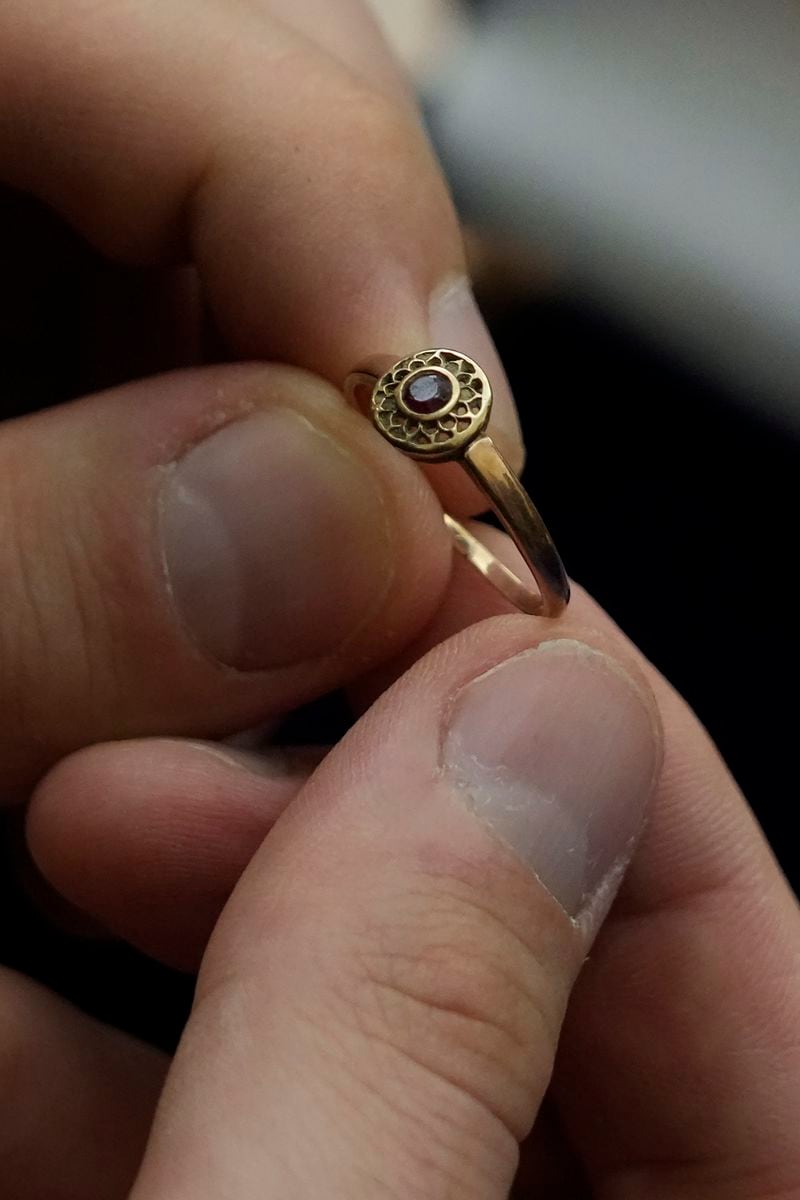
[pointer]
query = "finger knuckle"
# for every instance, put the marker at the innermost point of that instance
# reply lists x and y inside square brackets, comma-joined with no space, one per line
[450,989]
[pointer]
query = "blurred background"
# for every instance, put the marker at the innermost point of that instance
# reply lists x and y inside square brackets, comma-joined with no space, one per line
[629,177]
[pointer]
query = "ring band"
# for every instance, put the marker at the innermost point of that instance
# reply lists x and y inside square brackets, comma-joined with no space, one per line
[435,406]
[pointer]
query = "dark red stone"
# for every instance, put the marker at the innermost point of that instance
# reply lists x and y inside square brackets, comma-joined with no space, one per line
[427,392]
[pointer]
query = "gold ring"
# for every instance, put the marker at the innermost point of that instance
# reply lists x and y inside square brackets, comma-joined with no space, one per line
[435,406]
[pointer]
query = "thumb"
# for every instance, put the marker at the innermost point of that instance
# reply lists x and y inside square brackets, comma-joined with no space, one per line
[379,1008]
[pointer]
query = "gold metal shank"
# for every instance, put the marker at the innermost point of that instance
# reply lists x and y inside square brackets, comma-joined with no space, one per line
[455,431]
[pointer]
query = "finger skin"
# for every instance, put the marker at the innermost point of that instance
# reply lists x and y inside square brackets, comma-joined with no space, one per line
[309,200]
[78,1098]
[682,1029]
[385,985]
[349,31]
[94,643]
[704,1052]
[679,1067]
[81,76]
[151,836]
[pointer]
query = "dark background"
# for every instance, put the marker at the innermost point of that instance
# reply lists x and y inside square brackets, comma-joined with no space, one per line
[670,501]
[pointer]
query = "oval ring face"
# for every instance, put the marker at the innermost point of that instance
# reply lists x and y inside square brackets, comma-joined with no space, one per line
[432,404]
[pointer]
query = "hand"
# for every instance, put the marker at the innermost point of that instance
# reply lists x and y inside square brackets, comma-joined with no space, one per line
[378,1010]
[379,1006]
[159,534]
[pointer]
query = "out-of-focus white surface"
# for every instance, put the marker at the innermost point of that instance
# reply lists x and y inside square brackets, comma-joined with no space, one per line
[654,147]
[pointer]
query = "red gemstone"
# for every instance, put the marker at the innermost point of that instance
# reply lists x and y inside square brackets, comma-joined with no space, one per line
[427,392]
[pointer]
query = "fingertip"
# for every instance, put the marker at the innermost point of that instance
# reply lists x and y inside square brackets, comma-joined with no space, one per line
[149,837]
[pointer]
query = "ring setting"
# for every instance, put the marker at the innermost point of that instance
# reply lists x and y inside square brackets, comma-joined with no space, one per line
[432,404]
[435,406]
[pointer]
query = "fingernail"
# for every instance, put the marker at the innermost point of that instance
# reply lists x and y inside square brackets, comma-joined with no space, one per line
[456,323]
[556,751]
[276,541]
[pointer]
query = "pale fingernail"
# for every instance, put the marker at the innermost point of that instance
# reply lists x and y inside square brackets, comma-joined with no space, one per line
[276,541]
[455,323]
[556,750]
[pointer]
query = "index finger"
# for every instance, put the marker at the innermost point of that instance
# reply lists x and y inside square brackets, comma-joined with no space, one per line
[307,196]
